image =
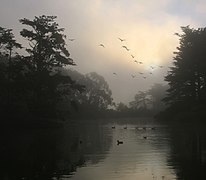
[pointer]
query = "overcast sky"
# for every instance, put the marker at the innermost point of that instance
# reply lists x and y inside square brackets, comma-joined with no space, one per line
[147,25]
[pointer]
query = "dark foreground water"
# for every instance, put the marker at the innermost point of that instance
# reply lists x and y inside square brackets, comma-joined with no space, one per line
[89,151]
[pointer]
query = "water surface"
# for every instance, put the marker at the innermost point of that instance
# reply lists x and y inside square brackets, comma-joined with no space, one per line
[89,151]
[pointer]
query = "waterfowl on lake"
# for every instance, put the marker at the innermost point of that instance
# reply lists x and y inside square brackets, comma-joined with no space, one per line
[151,128]
[113,127]
[145,137]
[119,142]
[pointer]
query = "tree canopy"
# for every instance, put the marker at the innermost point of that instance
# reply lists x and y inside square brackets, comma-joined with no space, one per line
[96,97]
[32,82]
[47,43]
[187,78]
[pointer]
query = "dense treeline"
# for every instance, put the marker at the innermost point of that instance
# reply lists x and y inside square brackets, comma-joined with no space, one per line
[94,102]
[186,95]
[32,84]
[145,103]
[36,82]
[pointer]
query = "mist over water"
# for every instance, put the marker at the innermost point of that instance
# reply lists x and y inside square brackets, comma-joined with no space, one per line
[102,90]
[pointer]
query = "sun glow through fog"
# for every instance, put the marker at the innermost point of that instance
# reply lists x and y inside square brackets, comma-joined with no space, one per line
[147,27]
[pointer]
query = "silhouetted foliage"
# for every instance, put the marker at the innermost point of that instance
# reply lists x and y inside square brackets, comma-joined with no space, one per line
[150,99]
[156,93]
[33,84]
[121,107]
[10,72]
[96,98]
[47,53]
[141,101]
[145,103]
[97,92]
[187,78]
[7,42]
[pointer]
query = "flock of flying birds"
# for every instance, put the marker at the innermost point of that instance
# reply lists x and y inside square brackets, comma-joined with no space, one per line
[152,67]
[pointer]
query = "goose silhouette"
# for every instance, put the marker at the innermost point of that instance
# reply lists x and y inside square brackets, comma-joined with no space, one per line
[126,48]
[122,39]
[102,45]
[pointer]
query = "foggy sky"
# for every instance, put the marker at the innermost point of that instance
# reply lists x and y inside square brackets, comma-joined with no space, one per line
[147,26]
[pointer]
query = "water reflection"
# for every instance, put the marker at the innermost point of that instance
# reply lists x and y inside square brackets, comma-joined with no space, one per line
[136,158]
[90,151]
[28,154]
[188,154]
[50,153]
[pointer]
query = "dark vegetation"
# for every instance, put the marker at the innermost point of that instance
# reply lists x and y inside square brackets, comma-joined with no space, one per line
[186,96]
[38,85]
[145,104]
[32,84]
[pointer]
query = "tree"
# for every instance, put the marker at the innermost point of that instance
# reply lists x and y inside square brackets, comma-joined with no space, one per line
[7,46]
[47,45]
[187,78]
[47,52]
[7,42]
[97,91]
[96,97]
[121,107]
[141,101]
[157,92]
[10,68]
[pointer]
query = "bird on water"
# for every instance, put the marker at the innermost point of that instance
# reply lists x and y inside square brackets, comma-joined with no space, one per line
[119,142]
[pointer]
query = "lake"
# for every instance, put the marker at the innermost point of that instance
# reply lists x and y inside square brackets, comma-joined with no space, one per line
[90,150]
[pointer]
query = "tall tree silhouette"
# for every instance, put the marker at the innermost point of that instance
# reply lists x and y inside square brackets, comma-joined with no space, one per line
[187,78]
[47,52]
[9,69]
[7,42]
